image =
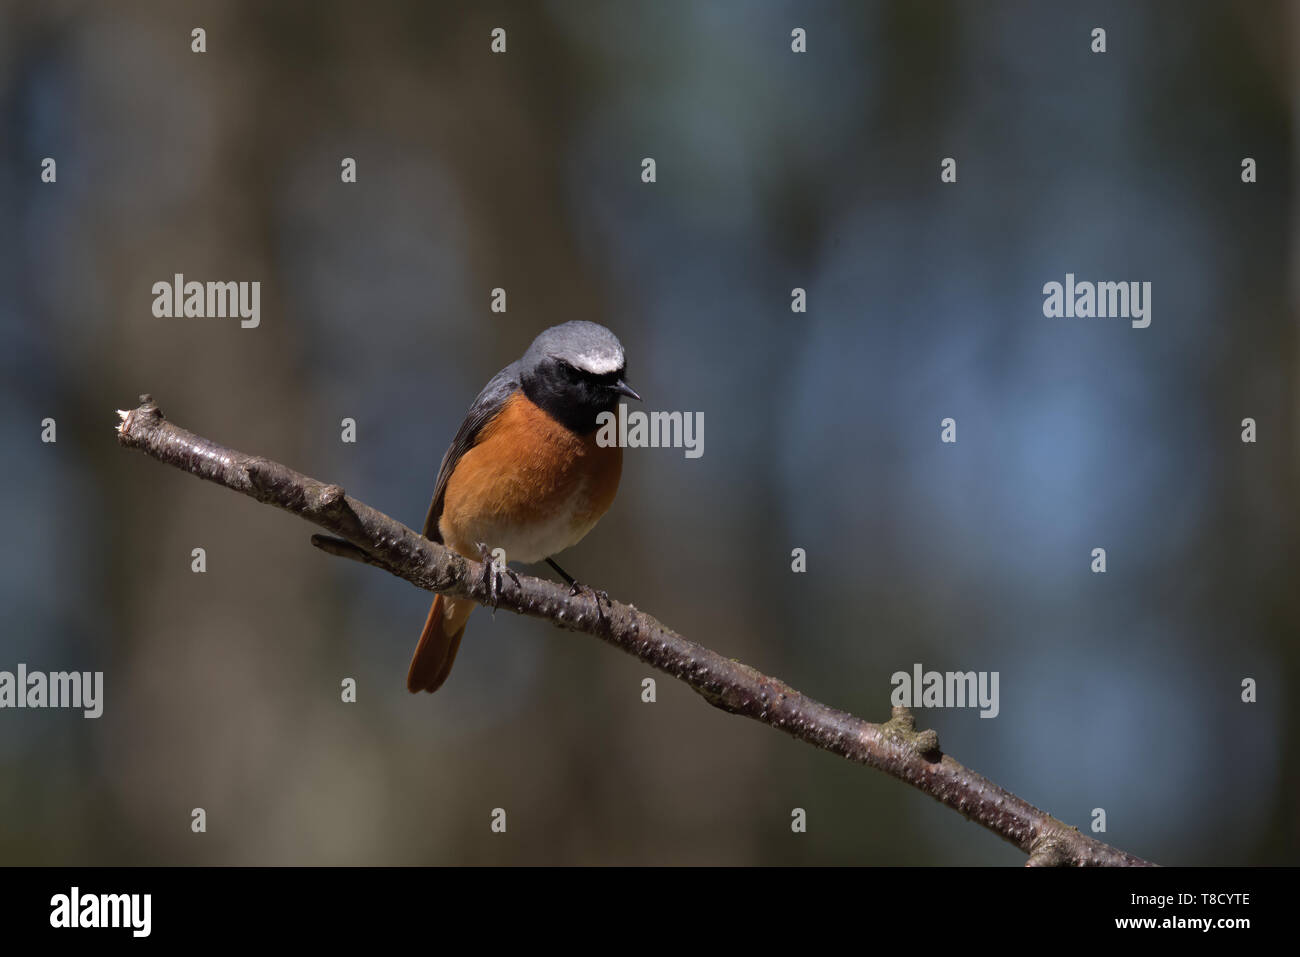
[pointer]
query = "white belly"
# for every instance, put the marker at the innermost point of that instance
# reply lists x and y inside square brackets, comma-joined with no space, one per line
[537,540]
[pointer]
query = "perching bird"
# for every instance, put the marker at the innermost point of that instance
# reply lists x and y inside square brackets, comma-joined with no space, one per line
[524,473]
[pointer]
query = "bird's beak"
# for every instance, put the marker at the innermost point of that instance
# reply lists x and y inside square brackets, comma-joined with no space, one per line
[622,388]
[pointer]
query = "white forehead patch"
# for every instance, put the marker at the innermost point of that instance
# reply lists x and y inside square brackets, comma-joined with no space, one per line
[599,363]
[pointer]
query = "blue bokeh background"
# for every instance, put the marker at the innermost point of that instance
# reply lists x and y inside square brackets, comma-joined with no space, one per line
[775,170]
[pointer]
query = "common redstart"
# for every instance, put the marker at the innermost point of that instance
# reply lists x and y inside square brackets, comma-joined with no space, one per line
[524,472]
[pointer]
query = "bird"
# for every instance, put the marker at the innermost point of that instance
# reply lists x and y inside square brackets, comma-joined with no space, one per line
[524,472]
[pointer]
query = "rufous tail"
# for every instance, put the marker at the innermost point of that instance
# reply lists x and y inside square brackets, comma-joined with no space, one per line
[439,642]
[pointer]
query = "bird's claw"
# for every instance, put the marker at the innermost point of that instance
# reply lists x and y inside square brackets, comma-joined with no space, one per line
[600,595]
[491,577]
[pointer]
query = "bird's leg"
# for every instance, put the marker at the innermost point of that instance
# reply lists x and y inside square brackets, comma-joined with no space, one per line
[492,575]
[576,586]
[568,579]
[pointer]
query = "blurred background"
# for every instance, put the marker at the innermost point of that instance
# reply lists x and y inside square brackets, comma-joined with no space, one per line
[774,170]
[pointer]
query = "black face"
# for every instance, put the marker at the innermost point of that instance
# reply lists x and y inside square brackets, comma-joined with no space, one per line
[571,396]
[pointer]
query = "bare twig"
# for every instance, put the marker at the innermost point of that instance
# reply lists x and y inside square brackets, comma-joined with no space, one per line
[361,533]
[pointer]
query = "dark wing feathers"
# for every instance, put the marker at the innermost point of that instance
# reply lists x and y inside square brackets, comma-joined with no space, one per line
[489,402]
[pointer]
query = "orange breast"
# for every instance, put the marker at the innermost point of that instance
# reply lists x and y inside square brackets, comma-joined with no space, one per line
[529,485]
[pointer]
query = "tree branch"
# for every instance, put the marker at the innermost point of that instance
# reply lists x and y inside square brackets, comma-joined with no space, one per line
[361,533]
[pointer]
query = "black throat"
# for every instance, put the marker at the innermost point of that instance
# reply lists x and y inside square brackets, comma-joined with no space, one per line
[572,398]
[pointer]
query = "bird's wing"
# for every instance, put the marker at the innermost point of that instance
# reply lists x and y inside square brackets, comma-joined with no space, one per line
[489,402]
